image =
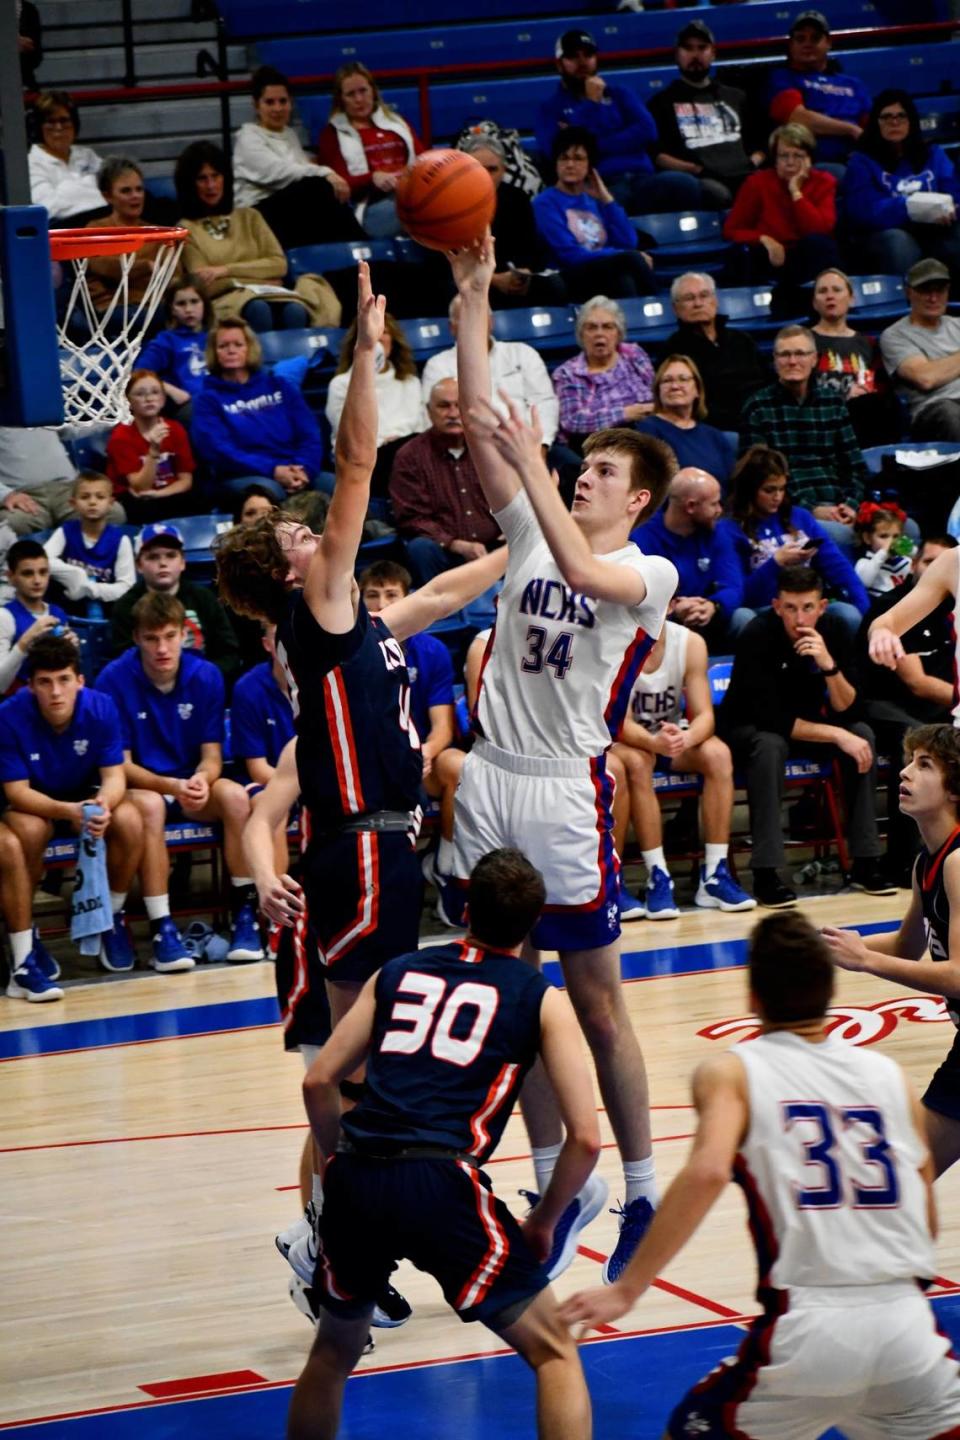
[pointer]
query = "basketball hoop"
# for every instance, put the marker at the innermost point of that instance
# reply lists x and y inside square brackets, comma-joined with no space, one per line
[94,371]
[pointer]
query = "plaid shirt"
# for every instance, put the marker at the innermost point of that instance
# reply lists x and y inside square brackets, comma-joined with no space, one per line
[594,399]
[815,434]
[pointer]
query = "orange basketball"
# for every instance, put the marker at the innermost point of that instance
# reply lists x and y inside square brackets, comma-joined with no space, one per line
[445,200]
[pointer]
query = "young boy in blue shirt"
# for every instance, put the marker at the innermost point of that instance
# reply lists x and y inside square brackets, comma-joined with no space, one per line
[171,704]
[27,616]
[89,558]
[60,746]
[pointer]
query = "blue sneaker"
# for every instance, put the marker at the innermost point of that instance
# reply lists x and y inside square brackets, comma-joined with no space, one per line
[116,948]
[577,1216]
[631,906]
[634,1222]
[28,982]
[169,951]
[245,939]
[721,891]
[660,904]
[48,965]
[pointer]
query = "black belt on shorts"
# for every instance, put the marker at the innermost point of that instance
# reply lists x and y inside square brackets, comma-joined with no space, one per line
[408,1152]
[377,820]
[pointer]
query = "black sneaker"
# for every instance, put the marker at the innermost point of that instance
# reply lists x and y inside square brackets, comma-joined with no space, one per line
[305,1299]
[391,1310]
[870,877]
[771,891]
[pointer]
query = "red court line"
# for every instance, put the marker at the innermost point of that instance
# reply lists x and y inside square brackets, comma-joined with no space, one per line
[672,1289]
[362,1374]
[136,1139]
[202,1384]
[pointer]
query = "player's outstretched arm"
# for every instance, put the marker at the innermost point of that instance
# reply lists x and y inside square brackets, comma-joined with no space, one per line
[561,1050]
[720,1097]
[343,1053]
[472,271]
[901,956]
[328,587]
[443,595]
[281,898]
[519,444]
[935,585]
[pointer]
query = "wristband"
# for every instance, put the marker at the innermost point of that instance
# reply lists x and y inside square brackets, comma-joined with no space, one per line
[829,674]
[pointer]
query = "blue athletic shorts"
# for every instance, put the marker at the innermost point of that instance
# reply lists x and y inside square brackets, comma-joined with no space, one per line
[440,1214]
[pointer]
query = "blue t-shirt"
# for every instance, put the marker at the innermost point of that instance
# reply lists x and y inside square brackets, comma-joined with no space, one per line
[261,716]
[164,733]
[431,678]
[178,356]
[829,92]
[703,447]
[705,561]
[65,766]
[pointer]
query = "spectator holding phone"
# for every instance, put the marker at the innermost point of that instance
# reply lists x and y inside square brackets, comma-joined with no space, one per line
[770,533]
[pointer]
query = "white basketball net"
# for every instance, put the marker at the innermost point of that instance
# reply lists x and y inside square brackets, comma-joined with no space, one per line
[94,371]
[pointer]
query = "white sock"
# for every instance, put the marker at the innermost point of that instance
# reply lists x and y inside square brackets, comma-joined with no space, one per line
[639,1179]
[445,857]
[118,899]
[712,855]
[157,906]
[21,943]
[655,857]
[239,880]
[317,1193]
[544,1164]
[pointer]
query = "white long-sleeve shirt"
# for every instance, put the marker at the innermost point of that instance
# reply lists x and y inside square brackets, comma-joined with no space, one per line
[264,161]
[398,405]
[81,586]
[65,187]
[11,656]
[515,368]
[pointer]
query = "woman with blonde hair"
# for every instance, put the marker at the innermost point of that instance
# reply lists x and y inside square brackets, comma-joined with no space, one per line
[679,415]
[369,145]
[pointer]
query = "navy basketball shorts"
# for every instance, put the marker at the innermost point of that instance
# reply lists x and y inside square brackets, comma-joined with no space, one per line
[301,986]
[364,893]
[440,1214]
[943,1092]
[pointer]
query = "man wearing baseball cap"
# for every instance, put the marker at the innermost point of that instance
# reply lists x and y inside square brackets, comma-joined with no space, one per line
[811,90]
[700,123]
[922,353]
[160,567]
[622,125]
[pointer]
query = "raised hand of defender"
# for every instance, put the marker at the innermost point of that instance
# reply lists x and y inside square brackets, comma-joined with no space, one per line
[591,1308]
[516,441]
[849,949]
[473,269]
[370,310]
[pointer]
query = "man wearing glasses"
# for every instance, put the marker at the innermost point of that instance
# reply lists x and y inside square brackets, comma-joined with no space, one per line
[728,360]
[922,353]
[812,428]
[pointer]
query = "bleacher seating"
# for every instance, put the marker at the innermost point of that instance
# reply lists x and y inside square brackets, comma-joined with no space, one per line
[426,337]
[685,240]
[291,344]
[337,255]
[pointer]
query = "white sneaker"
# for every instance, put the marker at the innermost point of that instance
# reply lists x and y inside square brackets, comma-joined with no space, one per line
[302,1256]
[296,1231]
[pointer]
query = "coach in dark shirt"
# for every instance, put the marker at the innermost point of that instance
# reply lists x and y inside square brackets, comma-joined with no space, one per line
[791,687]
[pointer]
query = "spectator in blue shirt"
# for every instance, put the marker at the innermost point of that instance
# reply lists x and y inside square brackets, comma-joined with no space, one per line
[171,705]
[887,193]
[587,233]
[178,354]
[60,746]
[812,90]
[709,594]
[679,419]
[261,716]
[249,425]
[27,616]
[624,129]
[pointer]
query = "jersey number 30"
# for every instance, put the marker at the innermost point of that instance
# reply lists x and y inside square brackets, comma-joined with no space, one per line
[432,1015]
[820,1144]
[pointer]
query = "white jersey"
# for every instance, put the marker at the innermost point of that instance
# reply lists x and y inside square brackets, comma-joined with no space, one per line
[560,667]
[829,1166]
[657,697]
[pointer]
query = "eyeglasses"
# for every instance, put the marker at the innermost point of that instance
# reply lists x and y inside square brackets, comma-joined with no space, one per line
[890,117]
[794,354]
[64,124]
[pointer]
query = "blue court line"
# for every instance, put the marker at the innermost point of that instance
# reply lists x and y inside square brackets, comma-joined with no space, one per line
[634,1384]
[181,1022]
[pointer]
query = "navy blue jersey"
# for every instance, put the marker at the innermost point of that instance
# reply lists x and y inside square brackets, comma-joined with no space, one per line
[164,733]
[99,560]
[456,1029]
[261,717]
[65,764]
[357,749]
[936,908]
